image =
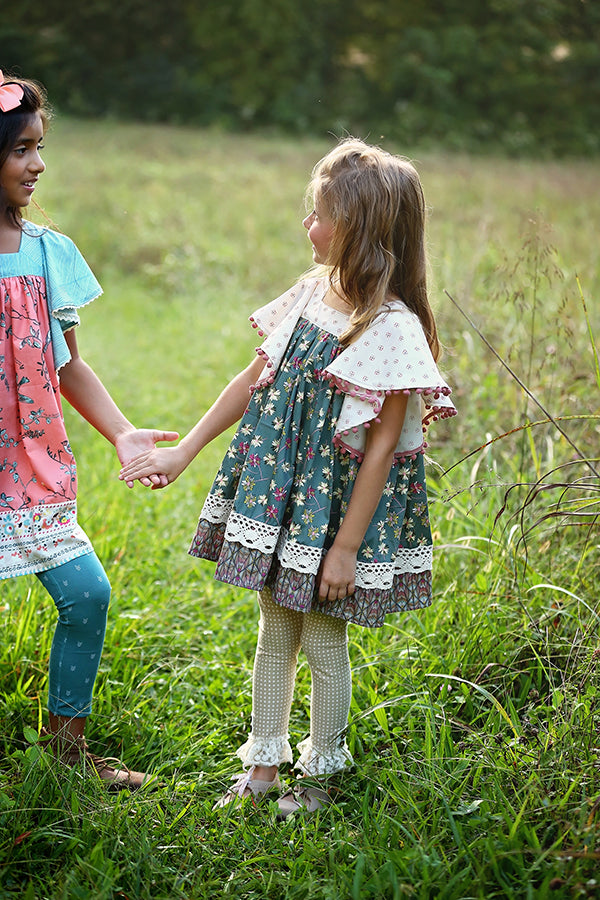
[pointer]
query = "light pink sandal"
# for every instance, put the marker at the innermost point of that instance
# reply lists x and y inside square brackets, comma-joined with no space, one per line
[302,797]
[246,787]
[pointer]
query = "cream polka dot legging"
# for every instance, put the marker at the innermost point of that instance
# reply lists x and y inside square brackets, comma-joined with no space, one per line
[282,633]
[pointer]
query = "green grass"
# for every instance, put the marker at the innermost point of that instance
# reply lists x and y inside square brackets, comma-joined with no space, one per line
[474,724]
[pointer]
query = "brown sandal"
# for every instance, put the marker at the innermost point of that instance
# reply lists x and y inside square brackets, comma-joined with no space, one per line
[73,751]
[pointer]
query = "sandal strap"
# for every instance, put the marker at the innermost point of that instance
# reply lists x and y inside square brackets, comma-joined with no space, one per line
[303,797]
[310,792]
[245,782]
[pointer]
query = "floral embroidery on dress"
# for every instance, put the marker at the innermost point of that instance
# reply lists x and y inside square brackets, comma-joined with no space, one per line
[284,485]
[38,475]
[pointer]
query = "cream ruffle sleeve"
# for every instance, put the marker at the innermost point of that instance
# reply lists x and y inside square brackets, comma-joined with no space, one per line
[391,356]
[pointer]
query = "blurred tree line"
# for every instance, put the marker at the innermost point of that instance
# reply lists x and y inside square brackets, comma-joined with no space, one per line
[518,75]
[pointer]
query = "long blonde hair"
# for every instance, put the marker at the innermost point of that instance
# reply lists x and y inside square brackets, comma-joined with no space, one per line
[377,252]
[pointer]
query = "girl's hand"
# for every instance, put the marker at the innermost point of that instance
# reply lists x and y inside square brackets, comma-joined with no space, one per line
[156,468]
[142,441]
[336,578]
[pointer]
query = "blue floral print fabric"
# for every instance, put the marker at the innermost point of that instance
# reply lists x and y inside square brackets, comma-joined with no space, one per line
[284,486]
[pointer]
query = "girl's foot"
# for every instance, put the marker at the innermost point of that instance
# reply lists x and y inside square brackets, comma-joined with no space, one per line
[247,786]
[303,796]
[73,751]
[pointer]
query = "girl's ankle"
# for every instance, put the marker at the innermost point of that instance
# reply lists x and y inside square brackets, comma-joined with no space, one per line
[264,773]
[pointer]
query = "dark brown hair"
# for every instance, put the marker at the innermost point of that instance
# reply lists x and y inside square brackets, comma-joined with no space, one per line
[12,124]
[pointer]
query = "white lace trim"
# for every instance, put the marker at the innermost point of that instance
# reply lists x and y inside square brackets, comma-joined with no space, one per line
[293,555]
[216,510]
[299,557]
[265,751]
[316,762]
[250,533]
[270,539]
[381,575]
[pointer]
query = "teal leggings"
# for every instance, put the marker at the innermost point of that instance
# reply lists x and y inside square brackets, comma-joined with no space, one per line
[81,593]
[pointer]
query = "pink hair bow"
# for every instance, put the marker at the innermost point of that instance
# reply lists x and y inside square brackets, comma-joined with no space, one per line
[10,95]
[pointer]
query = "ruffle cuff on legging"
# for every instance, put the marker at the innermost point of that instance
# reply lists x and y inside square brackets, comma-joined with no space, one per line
[316,762]
[265,751]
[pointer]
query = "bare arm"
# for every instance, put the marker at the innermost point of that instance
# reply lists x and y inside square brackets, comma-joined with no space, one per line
[227,409]
[80,385]
[338,571]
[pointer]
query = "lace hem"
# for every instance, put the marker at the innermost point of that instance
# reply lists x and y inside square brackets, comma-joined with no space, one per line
[265,751]
[241,529]
[252,534]
[253,570]
[316,762]
[270,539]
[215,509]
[379,576]
[299,557]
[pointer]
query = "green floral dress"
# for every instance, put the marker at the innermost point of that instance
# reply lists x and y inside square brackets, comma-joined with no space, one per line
[285,483]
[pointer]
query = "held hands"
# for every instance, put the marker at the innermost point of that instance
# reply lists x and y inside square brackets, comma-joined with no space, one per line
[336,578]
[140,442]
[155,468]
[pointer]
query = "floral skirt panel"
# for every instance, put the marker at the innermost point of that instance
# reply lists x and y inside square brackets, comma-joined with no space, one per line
[38,479]
[282,490]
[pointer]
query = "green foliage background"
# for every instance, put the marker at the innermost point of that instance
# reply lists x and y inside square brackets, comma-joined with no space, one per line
[518,75]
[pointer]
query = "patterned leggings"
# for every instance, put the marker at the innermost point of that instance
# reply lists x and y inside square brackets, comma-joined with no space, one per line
[323,638]
[81,593]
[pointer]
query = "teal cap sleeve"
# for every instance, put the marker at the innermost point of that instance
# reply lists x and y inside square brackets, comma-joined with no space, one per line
[70,284]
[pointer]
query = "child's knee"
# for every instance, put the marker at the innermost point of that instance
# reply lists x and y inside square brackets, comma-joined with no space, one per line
[96,598]
[98,594]
[88,606]
[81,592]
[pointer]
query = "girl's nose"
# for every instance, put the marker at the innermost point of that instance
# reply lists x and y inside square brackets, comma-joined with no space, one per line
[307,222]
[37,164]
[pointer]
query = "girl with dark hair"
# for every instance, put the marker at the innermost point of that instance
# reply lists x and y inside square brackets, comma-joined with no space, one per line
[43,282]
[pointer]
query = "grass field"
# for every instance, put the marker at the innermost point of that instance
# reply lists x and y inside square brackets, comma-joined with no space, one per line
[474,724]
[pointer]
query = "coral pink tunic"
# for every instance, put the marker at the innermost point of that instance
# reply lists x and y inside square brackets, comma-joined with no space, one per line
[40,288]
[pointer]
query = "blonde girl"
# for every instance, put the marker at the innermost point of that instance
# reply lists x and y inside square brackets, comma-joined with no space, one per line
[320,504]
